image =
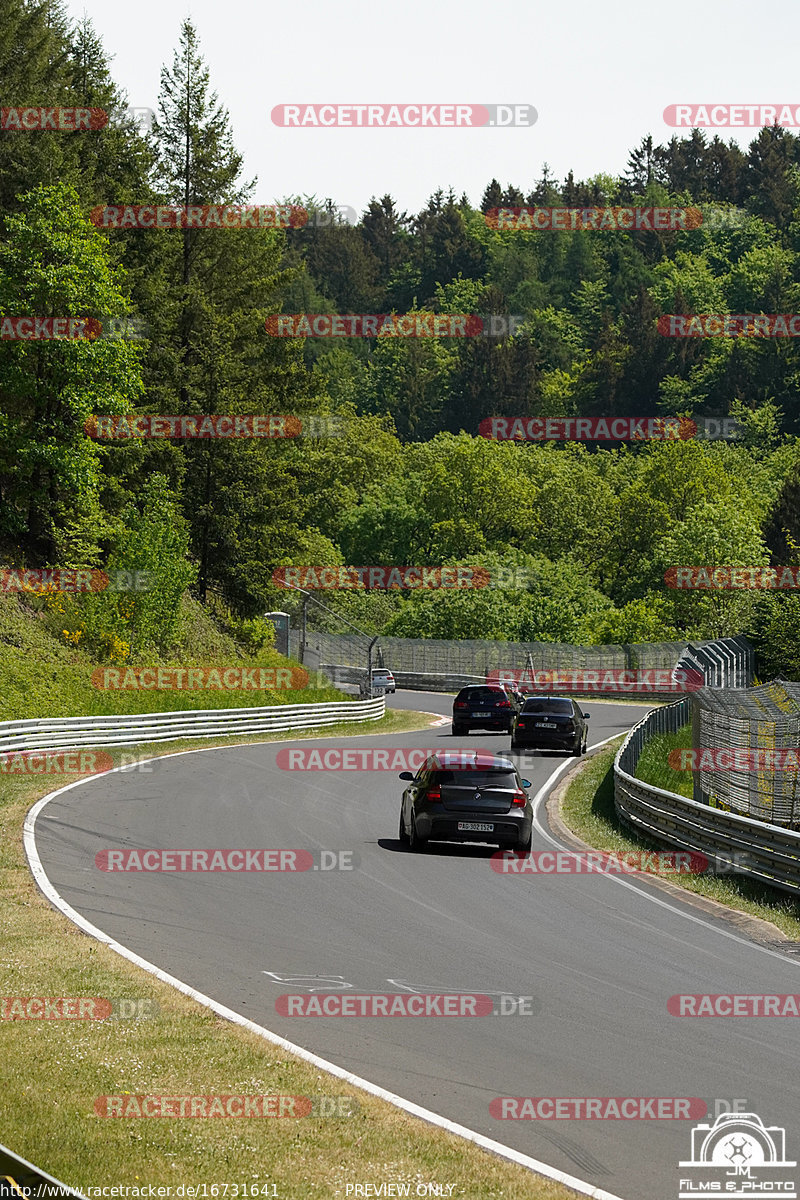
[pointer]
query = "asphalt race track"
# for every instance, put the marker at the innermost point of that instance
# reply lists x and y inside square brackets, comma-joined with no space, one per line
[599,955]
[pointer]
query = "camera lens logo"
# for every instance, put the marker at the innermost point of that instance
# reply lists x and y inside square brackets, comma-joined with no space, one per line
[738,1155]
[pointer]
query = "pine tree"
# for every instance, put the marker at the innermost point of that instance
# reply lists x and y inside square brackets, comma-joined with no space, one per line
[385,232]
[210,351]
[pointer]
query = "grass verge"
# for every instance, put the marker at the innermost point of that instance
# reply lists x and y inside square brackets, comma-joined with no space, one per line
[42,677]
[588,810]
[51,1071]
[653,765]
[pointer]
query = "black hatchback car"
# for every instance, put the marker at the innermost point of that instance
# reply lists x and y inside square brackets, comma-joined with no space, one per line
[484,706]
[466,796]
[550,723]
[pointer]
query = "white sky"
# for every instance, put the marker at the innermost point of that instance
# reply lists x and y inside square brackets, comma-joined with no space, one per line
[599,74]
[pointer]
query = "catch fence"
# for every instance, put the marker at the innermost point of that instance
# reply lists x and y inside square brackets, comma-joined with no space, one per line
[764,718]
[446,665]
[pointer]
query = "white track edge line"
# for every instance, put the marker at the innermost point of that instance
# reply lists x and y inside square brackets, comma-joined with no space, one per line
[674,905]
[416,1110]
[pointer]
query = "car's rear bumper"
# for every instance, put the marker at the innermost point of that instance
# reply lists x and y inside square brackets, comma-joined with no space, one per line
[502,723]
[545,739]
[507,827]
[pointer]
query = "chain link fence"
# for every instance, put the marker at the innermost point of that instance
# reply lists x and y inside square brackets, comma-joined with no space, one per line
[429,656]
[765,718]
[733,843]
[437,665]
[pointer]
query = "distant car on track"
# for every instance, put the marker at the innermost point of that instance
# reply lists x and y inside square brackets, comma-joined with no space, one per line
[484,706]
[550,723]
[383,679]
[466,796]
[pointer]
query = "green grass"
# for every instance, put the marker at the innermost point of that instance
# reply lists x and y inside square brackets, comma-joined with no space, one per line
[653,765]
[588,810]
[41,676]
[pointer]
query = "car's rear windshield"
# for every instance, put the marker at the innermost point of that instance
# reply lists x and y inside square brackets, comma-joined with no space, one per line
[481,693]
[477,779]
[384,673]
[548,704]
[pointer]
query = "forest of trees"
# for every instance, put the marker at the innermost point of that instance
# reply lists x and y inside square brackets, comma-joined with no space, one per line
[589,531]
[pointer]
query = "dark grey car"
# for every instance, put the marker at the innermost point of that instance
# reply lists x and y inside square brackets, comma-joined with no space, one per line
[550,723]
[466,796]
[484,706]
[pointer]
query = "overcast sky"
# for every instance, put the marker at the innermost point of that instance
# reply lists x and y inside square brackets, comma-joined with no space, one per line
[599,74]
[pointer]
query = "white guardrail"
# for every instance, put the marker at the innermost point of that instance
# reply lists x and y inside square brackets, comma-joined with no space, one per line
[64,733]
[740,845]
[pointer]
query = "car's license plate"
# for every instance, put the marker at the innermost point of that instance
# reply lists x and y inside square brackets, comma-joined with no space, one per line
[475,827]
[481,714]
[546,725]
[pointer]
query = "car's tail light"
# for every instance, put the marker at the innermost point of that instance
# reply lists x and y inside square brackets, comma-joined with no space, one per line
[460,704]
[520,724]
[519,798]
[503,704]
[435,794]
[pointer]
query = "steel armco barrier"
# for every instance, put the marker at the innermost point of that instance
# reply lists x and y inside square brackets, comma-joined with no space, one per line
[73,732]
[746,846]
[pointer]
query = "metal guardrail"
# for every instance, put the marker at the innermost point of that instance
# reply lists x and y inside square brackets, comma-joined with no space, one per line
[743,845]
[22,1178]
[72,732]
